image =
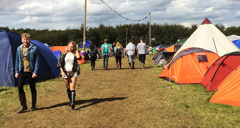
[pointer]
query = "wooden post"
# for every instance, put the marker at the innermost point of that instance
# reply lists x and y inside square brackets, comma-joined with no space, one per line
[126,35]
[84,26]
[150,29]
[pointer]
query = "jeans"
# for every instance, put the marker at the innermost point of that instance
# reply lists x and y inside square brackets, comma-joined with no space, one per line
[105,61]
[22,76]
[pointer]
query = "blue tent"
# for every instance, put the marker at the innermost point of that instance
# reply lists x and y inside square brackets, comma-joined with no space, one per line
[9,42]
[57,53]
[87,45]
[237,43]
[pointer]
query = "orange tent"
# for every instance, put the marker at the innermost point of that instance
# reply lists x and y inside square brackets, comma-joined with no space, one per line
[197,54]
[61,48]
[228,90]
[189,66]
[173,48]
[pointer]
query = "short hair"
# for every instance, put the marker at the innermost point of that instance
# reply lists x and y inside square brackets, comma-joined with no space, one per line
[130,40]
[25,35]
[105,40]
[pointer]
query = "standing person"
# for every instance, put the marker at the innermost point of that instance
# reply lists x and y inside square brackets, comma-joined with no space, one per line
[70,69]
[26,67]
[150,49]
[92,55]
[118,55]
[105,52]
[131,54]
[141,53]
[112,48]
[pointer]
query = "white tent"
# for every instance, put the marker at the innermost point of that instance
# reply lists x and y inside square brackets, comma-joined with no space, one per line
[233,37]
[209,37]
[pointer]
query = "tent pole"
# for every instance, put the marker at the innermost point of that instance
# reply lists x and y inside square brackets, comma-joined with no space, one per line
[215,45]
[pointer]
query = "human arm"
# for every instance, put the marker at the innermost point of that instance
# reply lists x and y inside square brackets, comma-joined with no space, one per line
[16,65]
[36,64]
[62,72]
[77,55]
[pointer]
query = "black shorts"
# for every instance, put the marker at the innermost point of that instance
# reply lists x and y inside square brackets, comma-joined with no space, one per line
[142,58]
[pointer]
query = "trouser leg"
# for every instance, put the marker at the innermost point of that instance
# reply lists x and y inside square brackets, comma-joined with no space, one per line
[33,91]
[21,93]
[107,62]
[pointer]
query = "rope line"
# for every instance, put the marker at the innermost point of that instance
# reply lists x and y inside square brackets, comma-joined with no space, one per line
[123,16]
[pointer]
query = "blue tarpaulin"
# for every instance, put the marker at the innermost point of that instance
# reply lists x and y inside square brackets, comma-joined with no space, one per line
[87,45]
[237,43]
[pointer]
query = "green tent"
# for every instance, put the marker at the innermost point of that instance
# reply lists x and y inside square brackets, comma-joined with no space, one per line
[182,41]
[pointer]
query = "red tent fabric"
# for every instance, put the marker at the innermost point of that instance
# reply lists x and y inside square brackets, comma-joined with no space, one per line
[228,90]
[220,69]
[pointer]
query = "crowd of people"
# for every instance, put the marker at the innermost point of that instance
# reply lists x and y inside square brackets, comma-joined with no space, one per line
[27,65]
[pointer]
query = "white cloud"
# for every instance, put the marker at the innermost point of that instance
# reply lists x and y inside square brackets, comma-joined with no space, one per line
[208,9]
[62,14]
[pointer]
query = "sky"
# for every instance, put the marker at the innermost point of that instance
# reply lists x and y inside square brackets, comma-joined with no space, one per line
[69,14]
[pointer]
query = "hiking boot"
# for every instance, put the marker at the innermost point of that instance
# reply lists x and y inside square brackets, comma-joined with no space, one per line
[129,65]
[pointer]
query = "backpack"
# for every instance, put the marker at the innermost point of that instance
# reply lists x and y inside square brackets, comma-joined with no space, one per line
[118,52]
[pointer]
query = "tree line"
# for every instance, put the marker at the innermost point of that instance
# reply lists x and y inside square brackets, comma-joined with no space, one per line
[165,34]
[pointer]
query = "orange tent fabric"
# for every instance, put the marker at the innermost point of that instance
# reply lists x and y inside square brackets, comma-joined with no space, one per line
[173,48]
[61,48]
[186,69]
[170,49]
[82,61]
[229,90]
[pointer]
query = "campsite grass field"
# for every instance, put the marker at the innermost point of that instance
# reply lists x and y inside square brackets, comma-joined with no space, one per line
[118,98]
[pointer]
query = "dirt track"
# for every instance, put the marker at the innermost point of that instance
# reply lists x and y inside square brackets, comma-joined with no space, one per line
[112,98]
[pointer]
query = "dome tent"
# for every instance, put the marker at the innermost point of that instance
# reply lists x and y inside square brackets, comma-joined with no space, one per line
[197,54]
[9,42]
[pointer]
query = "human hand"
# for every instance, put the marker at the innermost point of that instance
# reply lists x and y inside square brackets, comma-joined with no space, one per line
[34,76]
[16,75]
[63,74]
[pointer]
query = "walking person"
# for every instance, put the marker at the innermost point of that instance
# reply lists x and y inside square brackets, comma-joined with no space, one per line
[112,49]
[26,67]
[131,54]
[118,55]
[150,49]
[141,53]
[105,52]
[70,69]
[92,55]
